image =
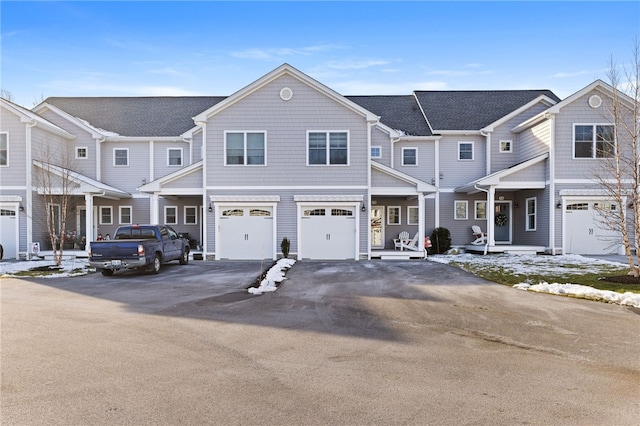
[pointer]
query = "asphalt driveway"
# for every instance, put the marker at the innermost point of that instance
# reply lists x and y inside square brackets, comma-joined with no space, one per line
[369,342]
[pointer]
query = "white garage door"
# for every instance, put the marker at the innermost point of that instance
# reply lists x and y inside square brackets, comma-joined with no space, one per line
[328,232]
[9,232]
[584,234]
[245,233]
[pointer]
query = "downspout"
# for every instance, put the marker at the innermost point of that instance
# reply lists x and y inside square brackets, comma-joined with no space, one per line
[368,208]
[205,206]
[552,187]
[99,158]
[436,179]
[29,189]
[489,210]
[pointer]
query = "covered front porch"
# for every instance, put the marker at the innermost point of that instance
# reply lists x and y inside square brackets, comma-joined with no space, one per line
[397,212]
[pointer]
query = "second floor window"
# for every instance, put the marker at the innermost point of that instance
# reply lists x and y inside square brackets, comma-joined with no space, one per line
[4,149]
[121,157]
[328,148]
[593,141]
[465,150]
[81,152]
[174,156]
[245,148]
[376,152]
[409,156]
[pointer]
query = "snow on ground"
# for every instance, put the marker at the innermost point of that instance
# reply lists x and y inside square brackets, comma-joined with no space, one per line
[68,268]
[552,265]
[274,276]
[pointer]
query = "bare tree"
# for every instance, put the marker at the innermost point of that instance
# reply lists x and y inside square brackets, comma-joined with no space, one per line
[56,182]
[619,172]
[7,95]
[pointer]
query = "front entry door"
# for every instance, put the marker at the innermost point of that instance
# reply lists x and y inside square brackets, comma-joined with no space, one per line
[377,227]
[502,222]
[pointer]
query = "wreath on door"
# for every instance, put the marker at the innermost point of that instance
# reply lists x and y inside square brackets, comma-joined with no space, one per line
[501,219]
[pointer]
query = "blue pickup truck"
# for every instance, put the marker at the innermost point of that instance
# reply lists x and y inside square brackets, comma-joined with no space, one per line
[144,247]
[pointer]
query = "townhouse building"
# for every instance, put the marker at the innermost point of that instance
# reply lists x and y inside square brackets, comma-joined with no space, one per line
[339,176]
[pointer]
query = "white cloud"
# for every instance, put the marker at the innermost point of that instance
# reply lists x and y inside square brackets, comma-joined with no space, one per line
[350,64]
[79,88]
[570,74]
[279,53]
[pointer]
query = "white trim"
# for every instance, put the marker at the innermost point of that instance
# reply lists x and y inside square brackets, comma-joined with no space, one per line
[120,215]
[455,209]
[114,157]
[527,214]
[110,209]
[244,198]
[473,150]
[328,148]
[403,158]
[244,134]
[7,148]
[86,151]
[409,208]
[13,204]
[327,198]
[310,187]
[184,218]
[379,151]
[399,215]
[475,209]
[174,148]
[165,215]
[505,151]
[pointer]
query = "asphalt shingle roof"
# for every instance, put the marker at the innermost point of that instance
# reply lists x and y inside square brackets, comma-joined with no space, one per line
[473,110]
[398,112]
[138,116]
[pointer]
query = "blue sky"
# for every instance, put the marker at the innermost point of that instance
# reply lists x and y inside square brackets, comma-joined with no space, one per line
[151,48]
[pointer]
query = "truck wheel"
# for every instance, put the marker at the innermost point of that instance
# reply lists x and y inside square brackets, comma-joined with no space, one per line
[157,262]
[184,259]
[107,272]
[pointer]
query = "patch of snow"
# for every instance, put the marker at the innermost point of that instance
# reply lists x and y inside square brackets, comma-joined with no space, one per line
[68,268]
[274,276]
[585,292]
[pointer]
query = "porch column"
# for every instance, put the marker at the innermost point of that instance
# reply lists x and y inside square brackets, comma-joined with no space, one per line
[153,209]
[88,226]
[491,214]
[421,226]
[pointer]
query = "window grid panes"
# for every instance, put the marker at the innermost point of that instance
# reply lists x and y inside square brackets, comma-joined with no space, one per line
[376,152]
[190,215]
[106,216]
[460,212]
[120,157]
[333,152]
[246,148]
[465,151]
[4,149]
[170,215]
[412,215]
[409,156]
[531,214]
[393,216]
[175,156]
[593,141]
[125,215]
[81,152]
[480,210]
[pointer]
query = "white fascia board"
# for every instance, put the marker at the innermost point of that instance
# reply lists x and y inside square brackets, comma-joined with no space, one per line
[156,185]
[93,131]
[417,138]
[27,116]
[494,179]
[540,99]
[421,186]
[459,132]
[284,69]
[144,139]
[538,118]
[422,112]
[596,85]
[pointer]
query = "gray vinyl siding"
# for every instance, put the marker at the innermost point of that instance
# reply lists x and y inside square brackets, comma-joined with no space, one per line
[126,178]
[192,180]
[381,139]
[461,229]
[14,173]
[383,180]
[520,150]
[286,125]
[86,166]
[535,173]
[539,237]
[287,214]
[161,157]
[425,170]
[577,112]
[458,172]
[197,147]
[139,213]
[534,141]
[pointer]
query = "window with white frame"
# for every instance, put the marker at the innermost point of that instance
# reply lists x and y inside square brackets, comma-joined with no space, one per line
[4,149]
[531,204]
[81,152]
[328,148]
[106,215]
[170,215]
[125,215]
[460,209]
[121,156]
[174,156]
[393,216]
[190,215]
[376,152]
[245,148]
[412,215]
[465,150]
[409,156]
[480,210]
[506,146]
[593,141]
